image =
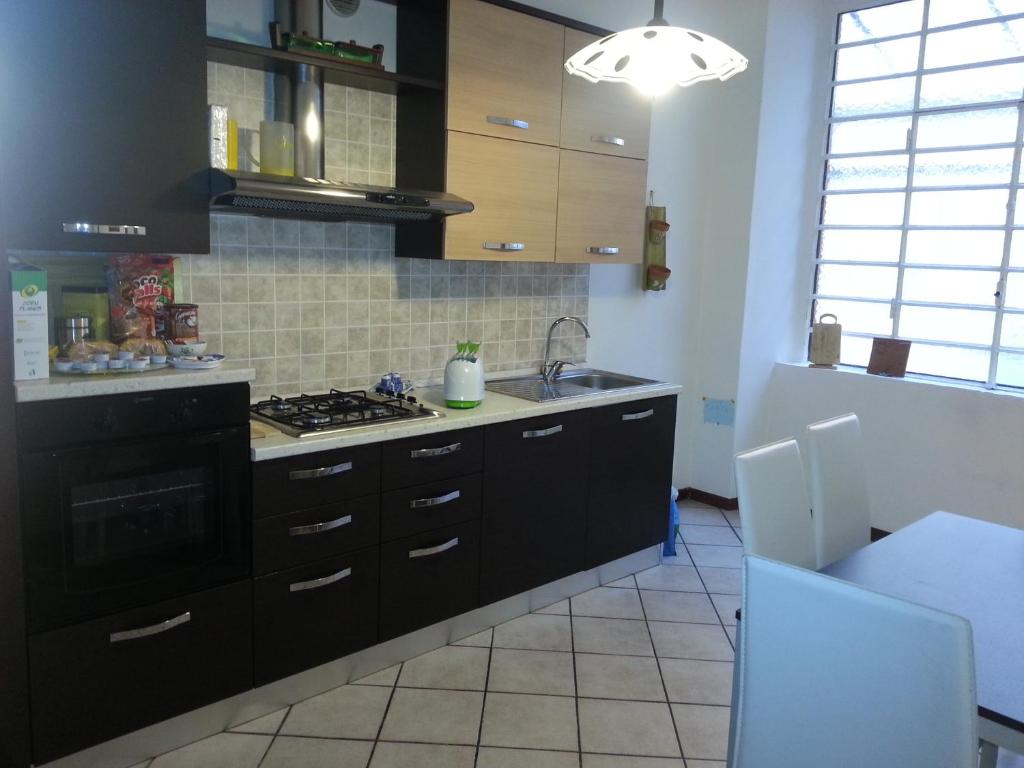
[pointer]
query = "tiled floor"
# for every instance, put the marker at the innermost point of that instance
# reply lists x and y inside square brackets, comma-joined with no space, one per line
[635,674]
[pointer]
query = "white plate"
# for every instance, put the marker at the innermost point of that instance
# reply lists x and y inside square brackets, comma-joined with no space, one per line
[196,363]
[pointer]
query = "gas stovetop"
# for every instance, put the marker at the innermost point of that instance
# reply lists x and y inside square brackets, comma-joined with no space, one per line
[336,411]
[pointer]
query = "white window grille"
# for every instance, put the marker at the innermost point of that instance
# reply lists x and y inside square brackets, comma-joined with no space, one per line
[920,236]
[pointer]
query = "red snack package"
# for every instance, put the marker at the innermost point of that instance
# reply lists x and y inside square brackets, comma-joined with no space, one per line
[138,284]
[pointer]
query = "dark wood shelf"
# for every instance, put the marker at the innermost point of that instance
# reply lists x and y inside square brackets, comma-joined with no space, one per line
[335,72]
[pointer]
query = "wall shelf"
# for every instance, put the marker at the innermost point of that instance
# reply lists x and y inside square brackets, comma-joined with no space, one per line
[335,72]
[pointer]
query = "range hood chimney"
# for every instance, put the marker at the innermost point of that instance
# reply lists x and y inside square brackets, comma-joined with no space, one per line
[300,98]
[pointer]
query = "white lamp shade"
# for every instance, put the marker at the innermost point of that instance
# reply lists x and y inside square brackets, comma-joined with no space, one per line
[653,59]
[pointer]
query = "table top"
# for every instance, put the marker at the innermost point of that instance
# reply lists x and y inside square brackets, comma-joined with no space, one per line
[967,567]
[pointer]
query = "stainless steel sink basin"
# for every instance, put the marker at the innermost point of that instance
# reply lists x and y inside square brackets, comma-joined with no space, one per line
[579,383]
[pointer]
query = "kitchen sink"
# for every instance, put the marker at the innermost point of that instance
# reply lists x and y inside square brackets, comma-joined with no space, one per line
[579,383]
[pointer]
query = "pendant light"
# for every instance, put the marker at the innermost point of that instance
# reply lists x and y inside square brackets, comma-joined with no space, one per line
[655,57]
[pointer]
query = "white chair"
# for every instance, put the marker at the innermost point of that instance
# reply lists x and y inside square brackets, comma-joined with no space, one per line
[774,511]
[832,674]
[839,488]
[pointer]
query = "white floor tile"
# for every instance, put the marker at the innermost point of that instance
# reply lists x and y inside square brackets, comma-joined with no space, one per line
[386,677]
[616,636]
[727,605]
[698,682]
[515,671]
[437,717]
[717,556]
[626,583]
[722,581]
[701,516]
[479,640]
[535,632]
[619,677]
[535,722]
[394,755]
[561,608]
[266,724]
[453,667]
[627,727]
[616,761]
[703,731]
[292,751]
[681,578]
[691,641]
[348,712]
[678,606]
[497,757]
[709,534]
[225,750]
[608,603]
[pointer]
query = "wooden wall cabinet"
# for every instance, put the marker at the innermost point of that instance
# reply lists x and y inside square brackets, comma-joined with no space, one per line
[600,208]
[504,73]
[607,118]
[514,186]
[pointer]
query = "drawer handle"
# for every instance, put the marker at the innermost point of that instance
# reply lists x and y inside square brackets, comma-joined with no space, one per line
[510,122]
[603,250]
[87,228]
[328,525]
[604,139]
[310,474]
[435,550]
[426,453]
[434,502]
[492,246]
[542,432]
[323,581]
[637,416]
[154,629]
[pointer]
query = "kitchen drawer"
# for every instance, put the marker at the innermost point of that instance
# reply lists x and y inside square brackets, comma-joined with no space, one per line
[426,507]
[103,678]
[314,479]
[428,577]
[315,613]
[432,457]
[600,208]
[514,188]
[300,537]
[504,73]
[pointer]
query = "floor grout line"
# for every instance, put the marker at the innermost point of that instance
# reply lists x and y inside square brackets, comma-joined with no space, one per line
[483,701]
[575,686]
[384,717]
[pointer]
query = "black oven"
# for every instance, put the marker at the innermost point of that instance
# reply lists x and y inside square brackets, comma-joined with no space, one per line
[131,499]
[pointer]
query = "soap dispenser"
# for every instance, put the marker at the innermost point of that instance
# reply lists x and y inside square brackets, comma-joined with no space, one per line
[464,377]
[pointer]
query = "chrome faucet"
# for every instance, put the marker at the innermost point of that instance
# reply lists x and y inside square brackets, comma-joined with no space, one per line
[550,371]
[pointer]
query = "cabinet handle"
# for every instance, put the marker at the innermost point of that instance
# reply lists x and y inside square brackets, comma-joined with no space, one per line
[492,246]
[87,228]
[426,453]
[310,474]
[542,432]
[434,502]
[638,416]
[323,581]
[153,629]
[508,121]
[603,250]
[329,525]
[601,138]
[435,550]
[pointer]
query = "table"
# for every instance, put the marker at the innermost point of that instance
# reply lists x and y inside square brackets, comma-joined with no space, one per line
[973,569]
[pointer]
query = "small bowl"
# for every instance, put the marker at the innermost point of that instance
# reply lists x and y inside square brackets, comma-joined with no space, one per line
[188,349]
[63,365]
[117,365]
[88,367]
[158,359]
[138,365]
[125,355]
[101,357]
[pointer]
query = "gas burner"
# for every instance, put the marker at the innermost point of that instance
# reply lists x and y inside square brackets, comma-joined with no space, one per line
[335,411]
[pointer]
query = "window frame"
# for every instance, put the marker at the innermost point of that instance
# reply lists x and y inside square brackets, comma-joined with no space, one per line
[1014,188]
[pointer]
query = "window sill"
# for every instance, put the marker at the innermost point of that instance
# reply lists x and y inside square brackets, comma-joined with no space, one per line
[912,379]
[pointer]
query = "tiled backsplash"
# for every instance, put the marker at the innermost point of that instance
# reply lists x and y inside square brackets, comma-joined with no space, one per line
[315,305]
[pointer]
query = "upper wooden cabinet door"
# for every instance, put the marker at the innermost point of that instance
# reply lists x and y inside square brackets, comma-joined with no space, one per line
[504,73]
[600,208]
[514,186]
[610,118]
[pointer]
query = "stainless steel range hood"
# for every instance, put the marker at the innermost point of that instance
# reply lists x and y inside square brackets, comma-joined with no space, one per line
[303,198]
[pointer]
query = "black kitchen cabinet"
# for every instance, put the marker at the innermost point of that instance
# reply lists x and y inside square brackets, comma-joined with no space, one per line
[314,479]
[535,501]
[437,456]
[96,680]
[105,124]
[630,477]
[315,613]
[426,507]
[428,577]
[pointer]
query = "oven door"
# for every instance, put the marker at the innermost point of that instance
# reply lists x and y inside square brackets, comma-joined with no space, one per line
[118,525]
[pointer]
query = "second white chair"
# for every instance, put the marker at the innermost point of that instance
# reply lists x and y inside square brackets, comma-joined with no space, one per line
[774,511]
[839,488]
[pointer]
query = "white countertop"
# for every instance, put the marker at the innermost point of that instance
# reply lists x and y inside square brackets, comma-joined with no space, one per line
[59,387]
[495,408]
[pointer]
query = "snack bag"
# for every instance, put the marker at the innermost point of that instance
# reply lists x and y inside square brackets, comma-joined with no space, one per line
[138,284]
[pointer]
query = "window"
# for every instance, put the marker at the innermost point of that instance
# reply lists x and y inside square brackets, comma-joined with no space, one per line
[920,231]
